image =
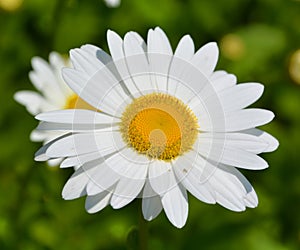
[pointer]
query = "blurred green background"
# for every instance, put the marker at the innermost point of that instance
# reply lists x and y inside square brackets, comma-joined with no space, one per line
[258,39]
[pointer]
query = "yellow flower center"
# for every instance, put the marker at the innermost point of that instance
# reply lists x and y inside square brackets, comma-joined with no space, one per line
[75,102]
[159,126]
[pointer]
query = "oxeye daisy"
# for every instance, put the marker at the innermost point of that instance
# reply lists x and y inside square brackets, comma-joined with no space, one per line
[112,3]
[52,93]
[170,124]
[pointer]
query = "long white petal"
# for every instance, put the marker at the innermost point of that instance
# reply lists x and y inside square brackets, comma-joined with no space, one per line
[271,141]
[160,56]
[175,204]
[222,80]
[250,198]
[151,205]
[97,202]
[115,44]
[34,102]
[101,55]
[247,118]
[77,144]
[132,180]
[182,55]
[137,64]
[75,186]
[188,171]
[161,177]
[237,158]
[79,160]
[76,116]
[107,174]
[240,96]
[58,62]
[238,140]
[123,164]
[206,58]
[105,96]
[47,81]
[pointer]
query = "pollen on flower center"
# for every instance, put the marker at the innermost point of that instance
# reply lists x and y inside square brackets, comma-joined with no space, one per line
[159,126]
[75,102]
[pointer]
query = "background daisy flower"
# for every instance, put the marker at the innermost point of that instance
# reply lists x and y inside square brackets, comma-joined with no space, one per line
[112,3]
[52,93]
[170,124]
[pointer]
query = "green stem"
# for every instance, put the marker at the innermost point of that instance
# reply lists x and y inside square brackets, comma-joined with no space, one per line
[143,230]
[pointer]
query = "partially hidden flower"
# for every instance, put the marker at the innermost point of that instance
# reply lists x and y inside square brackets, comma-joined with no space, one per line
[112,3]
[170,124]
[52,93]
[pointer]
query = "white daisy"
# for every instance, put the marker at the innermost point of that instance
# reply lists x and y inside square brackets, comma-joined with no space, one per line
[170,124]
[112,3]
[53,93]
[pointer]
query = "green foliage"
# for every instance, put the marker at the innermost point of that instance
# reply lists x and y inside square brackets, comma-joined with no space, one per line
[32,212]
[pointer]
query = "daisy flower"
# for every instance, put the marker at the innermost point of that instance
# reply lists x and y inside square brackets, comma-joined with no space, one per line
[112,3]
[52,93]
[170,125]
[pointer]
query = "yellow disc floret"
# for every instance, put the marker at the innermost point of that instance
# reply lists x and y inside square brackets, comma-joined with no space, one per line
[75,102]
[159,126]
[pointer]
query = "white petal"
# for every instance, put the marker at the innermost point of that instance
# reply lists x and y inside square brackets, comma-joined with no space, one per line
[107,96]
[58,62]
[137,63]
[210,93]
[34,102]
[221,80]
[240,158]
[247,118]
[160,56]
[107,174]
[218,151]
[76,116]
[126,191]
[211,118]
[43,135]
[189,79]
[240,96]
[40,155]
[161,177]
[85,62]
[182,55]
[47,80]
[175,204]
[217,74]
[265,137]
[115,44]
[112,3]
[250,198]
[132,180]
[76,144]
[206,58]
[76,127]
[42,69]
[122,164]
[101,55]
[240,140]
[233,189]
[75,186]
[54,162]
[79,160]
[151,205]
[189,174]
[97,202]
[185,48]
